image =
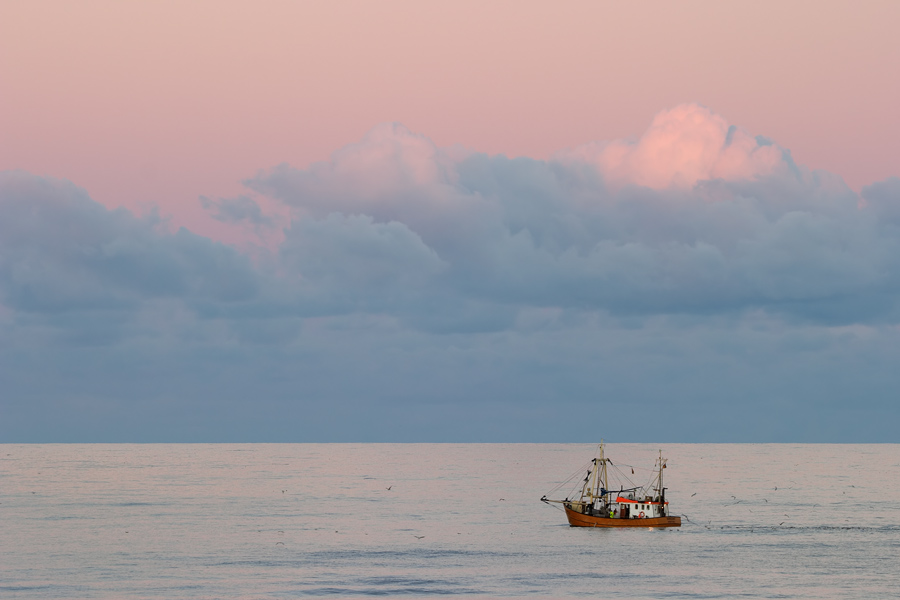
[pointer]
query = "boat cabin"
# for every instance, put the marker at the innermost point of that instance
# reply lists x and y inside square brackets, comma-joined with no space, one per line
[629,508]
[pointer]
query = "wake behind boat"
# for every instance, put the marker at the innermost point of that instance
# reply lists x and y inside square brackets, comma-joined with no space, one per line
[631,506]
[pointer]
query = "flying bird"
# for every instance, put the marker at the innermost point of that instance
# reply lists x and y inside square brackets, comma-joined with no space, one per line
[388,488]
[418,537]
[694,494]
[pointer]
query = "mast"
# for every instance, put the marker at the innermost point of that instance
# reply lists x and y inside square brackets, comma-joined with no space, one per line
[603,487]
[660,473]
[588,488]
[595,484]
[662,492]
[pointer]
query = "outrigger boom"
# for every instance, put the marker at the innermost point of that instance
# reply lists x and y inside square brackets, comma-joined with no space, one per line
[632,507]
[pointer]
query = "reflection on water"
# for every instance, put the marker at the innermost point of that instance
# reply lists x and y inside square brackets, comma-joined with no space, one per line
[290,520]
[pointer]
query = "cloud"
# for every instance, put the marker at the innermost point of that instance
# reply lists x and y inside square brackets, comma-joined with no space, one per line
[684,145]
[60,252]
[395,225]
[735,225]
[883,199]
[349,263]
[391,174]
[427,293]
[236,210]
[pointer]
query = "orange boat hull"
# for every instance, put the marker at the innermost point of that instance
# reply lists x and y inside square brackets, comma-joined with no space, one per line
[577,519]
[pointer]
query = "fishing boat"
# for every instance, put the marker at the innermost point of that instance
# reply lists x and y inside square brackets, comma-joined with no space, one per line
[595,505]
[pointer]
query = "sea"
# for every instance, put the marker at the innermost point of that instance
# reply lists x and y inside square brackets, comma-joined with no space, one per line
[114,521]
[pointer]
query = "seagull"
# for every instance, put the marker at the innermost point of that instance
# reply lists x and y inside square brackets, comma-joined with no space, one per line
[782,523]
[388,488]
[418,537]
[694,494]
[502,500]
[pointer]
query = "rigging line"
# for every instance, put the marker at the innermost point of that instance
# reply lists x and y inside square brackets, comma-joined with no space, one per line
[574,475]
[571,477]
[556,506]
[632,467]
[622,476]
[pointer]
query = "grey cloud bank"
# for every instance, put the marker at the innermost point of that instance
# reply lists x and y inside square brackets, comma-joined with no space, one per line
[434,294]
[529,233]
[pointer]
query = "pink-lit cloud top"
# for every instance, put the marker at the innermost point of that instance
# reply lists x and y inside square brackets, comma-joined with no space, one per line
[683,145]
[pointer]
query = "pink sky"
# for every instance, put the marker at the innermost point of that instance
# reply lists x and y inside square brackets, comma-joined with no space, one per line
[158,103]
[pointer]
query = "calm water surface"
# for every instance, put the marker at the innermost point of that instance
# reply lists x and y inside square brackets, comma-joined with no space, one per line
[293,520]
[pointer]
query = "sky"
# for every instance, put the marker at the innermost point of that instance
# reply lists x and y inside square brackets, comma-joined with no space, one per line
[449,221]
